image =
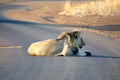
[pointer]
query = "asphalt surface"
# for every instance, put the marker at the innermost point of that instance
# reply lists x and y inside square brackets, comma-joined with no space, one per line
[16,64]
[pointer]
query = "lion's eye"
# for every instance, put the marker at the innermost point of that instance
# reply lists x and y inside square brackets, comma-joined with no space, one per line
[76,36]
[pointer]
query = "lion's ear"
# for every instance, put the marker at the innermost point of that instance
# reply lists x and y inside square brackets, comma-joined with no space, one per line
[61,36]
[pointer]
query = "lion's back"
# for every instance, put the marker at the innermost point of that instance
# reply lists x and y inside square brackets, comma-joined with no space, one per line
[42,48]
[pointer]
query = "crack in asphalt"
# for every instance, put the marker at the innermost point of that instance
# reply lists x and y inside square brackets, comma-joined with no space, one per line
[8,46]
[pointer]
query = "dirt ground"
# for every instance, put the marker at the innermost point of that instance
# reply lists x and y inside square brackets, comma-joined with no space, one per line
[47,13]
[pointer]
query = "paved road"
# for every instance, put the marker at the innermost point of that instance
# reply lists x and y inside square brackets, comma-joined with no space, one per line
[15,64]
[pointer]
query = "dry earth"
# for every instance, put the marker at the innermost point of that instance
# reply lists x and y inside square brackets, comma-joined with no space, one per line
[47,13]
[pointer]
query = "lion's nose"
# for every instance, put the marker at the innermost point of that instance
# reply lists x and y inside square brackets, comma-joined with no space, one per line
[80,46]
[84,43]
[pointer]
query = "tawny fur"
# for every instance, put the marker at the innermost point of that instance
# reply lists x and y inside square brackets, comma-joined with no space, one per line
[63,45]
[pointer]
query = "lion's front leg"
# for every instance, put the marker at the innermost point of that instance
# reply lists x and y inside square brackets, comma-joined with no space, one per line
[81,53]
[84,53]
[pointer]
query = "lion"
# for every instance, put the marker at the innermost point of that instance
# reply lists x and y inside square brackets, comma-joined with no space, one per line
[67,44]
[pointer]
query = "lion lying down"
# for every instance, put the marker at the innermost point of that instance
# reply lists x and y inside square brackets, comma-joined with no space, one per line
[67,44]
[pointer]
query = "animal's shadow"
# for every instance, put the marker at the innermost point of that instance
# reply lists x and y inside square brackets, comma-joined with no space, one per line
[105,56]
[101,56]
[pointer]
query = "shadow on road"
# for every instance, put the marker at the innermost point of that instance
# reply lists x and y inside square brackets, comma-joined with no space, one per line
[102,56]
[16,21]
[113,27]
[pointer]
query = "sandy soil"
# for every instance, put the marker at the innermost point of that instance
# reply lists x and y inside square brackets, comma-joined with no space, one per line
[47,13]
